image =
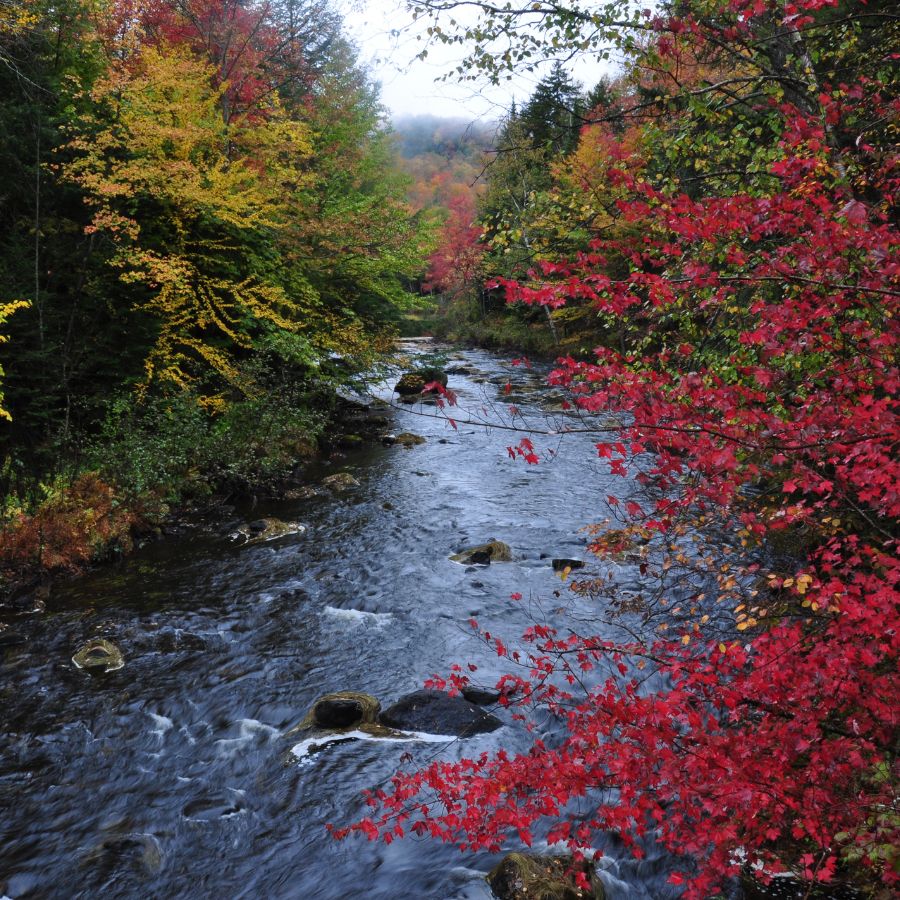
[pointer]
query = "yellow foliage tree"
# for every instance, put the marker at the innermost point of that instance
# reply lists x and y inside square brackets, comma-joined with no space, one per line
[192,205]
[6,310]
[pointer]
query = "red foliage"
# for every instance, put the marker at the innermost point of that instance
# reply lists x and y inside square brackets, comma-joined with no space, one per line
[252,56]
[67,531]
[457,264]
[778,741]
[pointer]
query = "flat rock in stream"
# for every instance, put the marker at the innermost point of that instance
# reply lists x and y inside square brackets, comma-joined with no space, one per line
[435,712]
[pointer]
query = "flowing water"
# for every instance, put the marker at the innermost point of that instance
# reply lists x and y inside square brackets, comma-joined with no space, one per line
[173,777]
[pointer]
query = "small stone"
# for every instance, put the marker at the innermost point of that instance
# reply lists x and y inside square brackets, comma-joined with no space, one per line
[99,655]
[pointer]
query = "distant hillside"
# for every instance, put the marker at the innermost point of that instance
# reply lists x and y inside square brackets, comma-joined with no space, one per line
[450,138]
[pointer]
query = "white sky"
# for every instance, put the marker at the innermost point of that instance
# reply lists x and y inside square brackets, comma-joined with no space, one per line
[388,43]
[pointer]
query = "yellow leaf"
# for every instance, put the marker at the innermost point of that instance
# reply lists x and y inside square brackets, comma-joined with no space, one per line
[685,639]
[723,648]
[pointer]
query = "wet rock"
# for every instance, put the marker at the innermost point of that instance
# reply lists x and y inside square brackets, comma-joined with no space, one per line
[560,565]
[99,655]
[460,370]
[438,713]
[267,529]
[389,440]
[342,709]
[408,439]
[411,383]
[527,876]
[483,554]
[480,696]
[340,481]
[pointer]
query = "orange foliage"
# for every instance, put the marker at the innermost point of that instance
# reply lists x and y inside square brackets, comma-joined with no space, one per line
[68,529]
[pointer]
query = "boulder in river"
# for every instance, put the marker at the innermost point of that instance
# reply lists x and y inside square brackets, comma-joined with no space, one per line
[527,876]
[341,709]
[438,713]
[99,655]
[492,551]
[408,439]
[412,383]
[340,481]
[481,696]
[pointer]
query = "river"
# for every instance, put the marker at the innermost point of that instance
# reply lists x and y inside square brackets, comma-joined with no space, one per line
[172,777]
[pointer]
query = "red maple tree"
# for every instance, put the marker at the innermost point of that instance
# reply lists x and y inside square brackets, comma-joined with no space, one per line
[765,387]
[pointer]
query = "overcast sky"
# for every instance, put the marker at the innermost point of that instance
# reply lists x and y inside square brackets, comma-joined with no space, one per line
[389,43]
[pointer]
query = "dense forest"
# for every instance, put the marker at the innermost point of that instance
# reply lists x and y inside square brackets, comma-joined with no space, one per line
[207,228]
[204,231]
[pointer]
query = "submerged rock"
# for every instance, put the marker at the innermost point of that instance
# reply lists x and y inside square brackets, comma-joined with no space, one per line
[99,655]
[408,439]
[438,713]
[527,876]
[340,481]
[141,852]
[492,551]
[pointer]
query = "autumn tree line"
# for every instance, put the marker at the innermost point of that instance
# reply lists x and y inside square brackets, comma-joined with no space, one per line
[202,232]
[708,244]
